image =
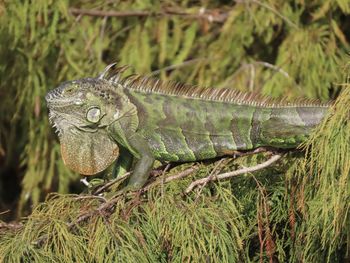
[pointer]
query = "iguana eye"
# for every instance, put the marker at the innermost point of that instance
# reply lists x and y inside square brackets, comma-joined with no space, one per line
[69,89]
[93,114]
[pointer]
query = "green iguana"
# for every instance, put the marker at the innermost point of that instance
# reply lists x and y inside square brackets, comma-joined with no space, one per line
[167,121]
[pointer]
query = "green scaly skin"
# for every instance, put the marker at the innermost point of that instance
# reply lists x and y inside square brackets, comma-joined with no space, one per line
[95,116]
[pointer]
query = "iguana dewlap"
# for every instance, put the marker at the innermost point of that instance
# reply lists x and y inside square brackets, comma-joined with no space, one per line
[166,121]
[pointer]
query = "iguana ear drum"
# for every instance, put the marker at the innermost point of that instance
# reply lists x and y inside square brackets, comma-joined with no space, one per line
[88,153]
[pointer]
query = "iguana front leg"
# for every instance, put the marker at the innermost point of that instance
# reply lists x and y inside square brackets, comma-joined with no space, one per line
[143,165]
[141,172]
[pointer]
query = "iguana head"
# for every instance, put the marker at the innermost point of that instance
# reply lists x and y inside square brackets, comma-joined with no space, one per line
[81,110]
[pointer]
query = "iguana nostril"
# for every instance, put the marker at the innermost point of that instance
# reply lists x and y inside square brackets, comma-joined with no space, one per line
[53,94]
[48,97]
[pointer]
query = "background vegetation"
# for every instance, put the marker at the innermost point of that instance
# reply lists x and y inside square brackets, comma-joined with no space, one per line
[297,210]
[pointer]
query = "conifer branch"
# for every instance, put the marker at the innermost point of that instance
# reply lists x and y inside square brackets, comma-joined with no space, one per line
[106,208]
[213,173]
[178,176]
[268,7]
[180,65]
[110,183]
[10,226]
[209,15]
[255,168]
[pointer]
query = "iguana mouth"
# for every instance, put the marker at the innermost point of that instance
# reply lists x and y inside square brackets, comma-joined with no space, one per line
[62,124]
[59,122]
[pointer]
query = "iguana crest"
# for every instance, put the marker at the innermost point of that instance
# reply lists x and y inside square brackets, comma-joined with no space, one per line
[147,84]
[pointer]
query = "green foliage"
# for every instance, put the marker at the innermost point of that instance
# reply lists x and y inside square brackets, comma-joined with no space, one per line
[325,192]
[159,226]
[295,211]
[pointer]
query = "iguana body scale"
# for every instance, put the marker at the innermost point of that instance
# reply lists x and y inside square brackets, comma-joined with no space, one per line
[190,129]
[171,122]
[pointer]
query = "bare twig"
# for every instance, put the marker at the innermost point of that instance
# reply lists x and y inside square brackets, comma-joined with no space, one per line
[180,175]
[84,197]
[156,172]
[268,7]
[252,77]
[163,177]
[110,183]
[102,13]
[238,154]
[183,64]
[274,67]
[262,63]
[209,15]
[213,174]
[5,212]
[205,180]
[10,226]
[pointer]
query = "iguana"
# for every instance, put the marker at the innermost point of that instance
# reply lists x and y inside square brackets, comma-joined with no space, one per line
[167,121]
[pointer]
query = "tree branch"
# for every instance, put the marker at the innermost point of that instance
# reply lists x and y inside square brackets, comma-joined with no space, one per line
[213,174]
[209,15]
[172,178]
[107,206]
[270,8]
[110,183]
[260,166]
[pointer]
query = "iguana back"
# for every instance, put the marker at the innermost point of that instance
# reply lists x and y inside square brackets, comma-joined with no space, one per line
[180,128]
